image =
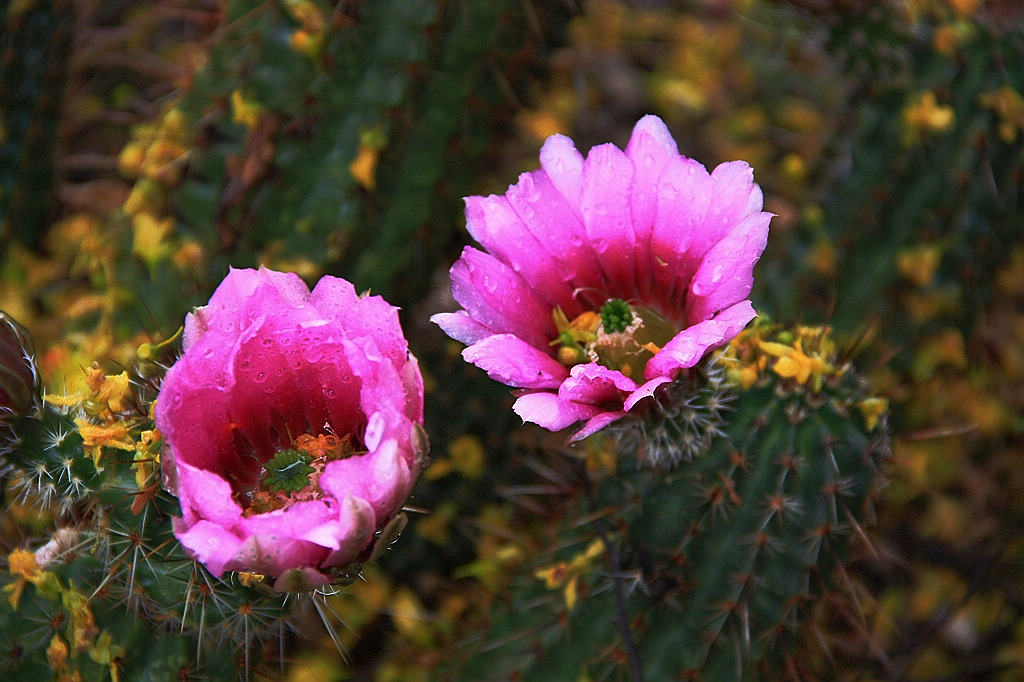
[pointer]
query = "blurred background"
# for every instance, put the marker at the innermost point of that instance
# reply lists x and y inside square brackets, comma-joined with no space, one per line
[146,146]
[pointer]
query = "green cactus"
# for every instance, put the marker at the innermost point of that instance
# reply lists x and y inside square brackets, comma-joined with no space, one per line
[726,555]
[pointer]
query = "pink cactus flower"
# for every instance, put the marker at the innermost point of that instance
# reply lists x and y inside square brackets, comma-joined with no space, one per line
[292,427]
[605,277]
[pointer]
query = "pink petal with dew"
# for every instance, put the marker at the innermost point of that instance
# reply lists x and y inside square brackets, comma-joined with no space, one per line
[357,514]
[461,327]
[494,223]
[734,198]
[235,304]
[205,495]
[684,198]
[552,412]
[727,273]
[690,345]
[593,384]
[607,182]
[499,298]
[383,397]
[354,522]
[650,148]
[371,316]
[514,362]
[314,521]
[192,414]
[210,544]
[273,554]
[381,478]
[645,391]
[564,165]
[595,424]
[557,229]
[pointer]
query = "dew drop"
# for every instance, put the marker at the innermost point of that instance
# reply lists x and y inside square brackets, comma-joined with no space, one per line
[331,393]
[261,377]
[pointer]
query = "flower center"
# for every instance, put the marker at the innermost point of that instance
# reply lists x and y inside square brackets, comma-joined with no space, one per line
[288,471]
[293,474]
[619,336]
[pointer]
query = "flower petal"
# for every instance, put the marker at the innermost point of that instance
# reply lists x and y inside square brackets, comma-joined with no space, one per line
[727,273]
[494,223]
[645,391]
[690,345]
[461,327]
[210,544]
[557,230]
[552,412]
[650,147]
[596,423]
[607,180]
[512,361]
[499,299]
[564,165]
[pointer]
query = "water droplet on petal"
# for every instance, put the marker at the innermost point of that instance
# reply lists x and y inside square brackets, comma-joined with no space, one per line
[261,377]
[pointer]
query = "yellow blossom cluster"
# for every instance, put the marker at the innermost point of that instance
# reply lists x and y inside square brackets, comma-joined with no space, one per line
[158,150]
[924,116]
[807,355]
[309,38]
[81,635]
[1009,107]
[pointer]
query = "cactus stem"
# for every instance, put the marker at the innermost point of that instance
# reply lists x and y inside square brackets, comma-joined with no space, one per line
[621,615]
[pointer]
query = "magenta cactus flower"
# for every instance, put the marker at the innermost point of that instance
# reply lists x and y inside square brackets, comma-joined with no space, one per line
[292,427]
[606,277]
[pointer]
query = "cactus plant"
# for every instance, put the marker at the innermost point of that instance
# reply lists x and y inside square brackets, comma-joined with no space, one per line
[725,555]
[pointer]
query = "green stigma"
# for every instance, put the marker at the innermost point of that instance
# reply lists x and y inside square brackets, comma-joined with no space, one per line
[287,471]
[615,315]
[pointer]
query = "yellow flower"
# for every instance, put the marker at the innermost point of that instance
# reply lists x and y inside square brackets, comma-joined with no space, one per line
[924,116]
[147,459]
[245,112]
[567,573]
[1009,106]
[96,437]
[150,238]
[22,565]
[110,391]
[919,263]
[364,166]
[809,370]
[873,409]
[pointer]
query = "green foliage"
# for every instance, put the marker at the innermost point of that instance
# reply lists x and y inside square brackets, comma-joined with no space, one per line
[35,41]
[929,154]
